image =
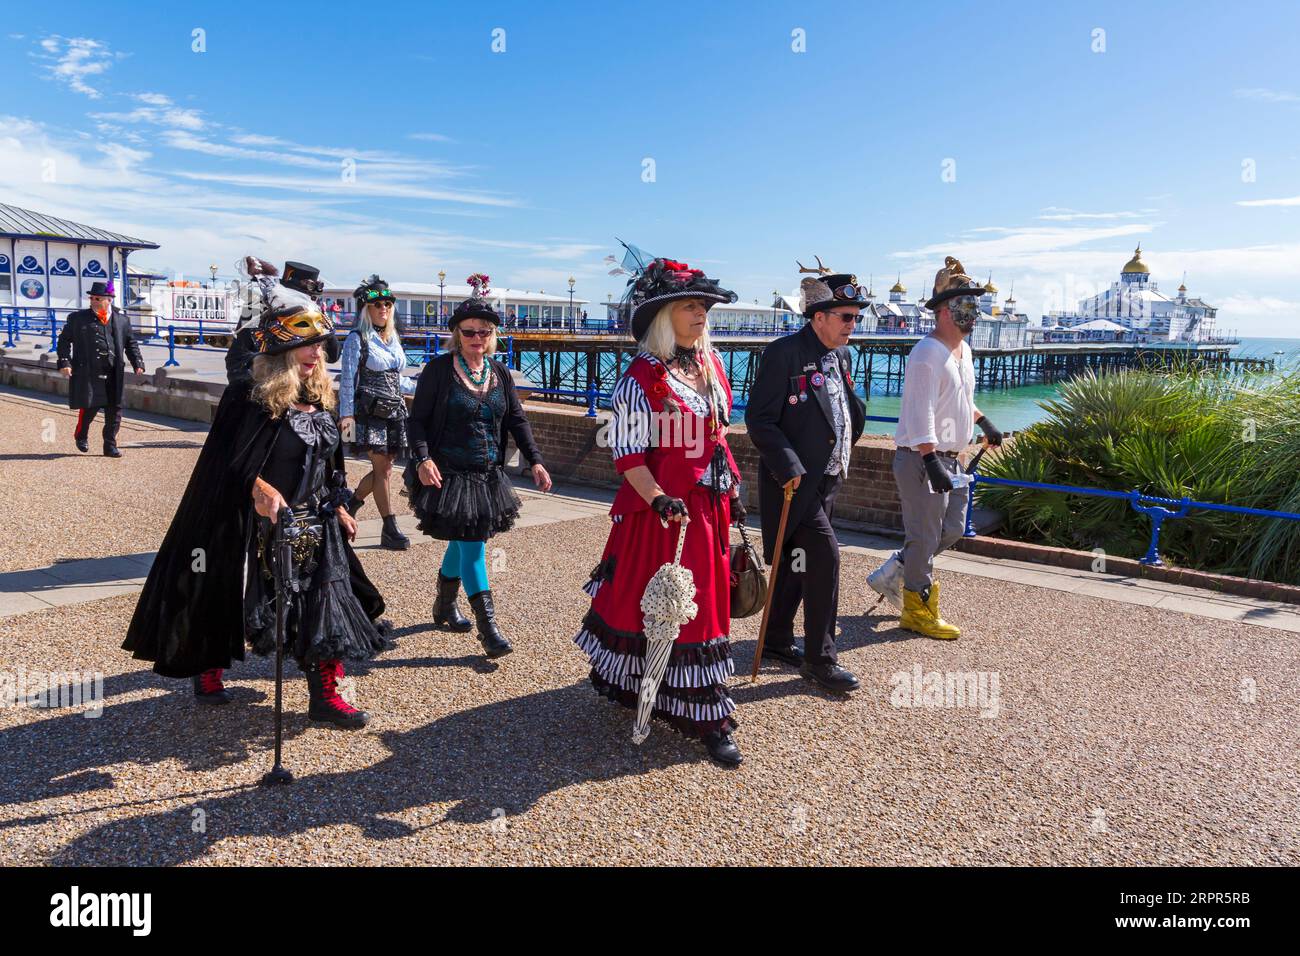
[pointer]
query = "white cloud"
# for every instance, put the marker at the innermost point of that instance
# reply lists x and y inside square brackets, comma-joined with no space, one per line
[430,137]
[1285,201]
[71,60]
[1058,214]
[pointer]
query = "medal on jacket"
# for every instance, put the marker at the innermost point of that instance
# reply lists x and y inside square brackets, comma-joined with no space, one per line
[803,388]
[818,380]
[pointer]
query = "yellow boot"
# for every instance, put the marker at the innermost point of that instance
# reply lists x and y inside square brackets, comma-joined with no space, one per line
[933,605]
[917,616]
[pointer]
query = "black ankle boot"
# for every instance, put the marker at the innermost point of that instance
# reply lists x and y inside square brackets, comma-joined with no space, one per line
[485,616]
[445,612]
[391,538]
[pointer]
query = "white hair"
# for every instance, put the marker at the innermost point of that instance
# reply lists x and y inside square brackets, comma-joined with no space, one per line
[661,341]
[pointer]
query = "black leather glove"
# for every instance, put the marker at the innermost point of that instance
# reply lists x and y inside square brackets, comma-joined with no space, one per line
[665,507]
[940,480]
[738,510]
[990,432]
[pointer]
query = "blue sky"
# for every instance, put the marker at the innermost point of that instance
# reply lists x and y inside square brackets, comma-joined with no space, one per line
[1179,127]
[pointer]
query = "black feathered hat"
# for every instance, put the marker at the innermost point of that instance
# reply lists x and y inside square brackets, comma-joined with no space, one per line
[662,281]
[286,318]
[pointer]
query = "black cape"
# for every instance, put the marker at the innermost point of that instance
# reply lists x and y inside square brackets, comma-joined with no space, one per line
[190,615]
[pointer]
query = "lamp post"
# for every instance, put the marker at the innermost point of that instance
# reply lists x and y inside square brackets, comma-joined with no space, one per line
[213,270]
[571,315]
[776,311]
[442,278]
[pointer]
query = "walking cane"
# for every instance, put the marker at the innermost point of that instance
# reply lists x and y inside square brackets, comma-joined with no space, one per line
[284,583]
[771,578]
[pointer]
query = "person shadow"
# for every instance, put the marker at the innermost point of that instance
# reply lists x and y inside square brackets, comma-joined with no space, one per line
[488,763]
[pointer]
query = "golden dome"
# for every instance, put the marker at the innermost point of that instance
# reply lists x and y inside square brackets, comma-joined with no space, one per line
[989,286]
[898,286]
[1136,264]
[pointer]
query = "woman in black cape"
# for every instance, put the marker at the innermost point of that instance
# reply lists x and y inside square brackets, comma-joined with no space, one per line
[209,590]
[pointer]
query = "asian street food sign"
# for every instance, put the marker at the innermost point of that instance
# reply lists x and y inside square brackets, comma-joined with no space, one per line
[214,306]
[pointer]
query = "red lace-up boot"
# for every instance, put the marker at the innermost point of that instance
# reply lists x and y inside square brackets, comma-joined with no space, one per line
[208,688]
[326,704]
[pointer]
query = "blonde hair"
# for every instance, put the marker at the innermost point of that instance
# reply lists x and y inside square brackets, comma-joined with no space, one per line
[489,349]
[365,326]
[661,342]
[277,383]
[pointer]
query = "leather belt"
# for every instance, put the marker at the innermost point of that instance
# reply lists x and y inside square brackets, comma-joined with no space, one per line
[945,454]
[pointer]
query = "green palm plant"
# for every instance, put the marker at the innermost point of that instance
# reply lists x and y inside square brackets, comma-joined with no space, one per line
[1168,435]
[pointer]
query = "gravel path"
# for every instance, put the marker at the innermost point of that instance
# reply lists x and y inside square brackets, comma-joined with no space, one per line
[1122,734]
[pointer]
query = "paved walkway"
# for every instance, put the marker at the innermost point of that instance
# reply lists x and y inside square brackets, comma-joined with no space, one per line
[91,579]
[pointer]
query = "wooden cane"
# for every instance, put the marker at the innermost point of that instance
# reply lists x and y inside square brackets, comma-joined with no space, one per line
[771,578]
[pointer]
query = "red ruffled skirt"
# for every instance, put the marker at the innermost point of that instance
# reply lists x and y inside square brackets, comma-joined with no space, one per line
[693,697]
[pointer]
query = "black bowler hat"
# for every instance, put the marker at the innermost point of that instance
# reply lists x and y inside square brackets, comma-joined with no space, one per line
[102,288]
[950,282]
[829,290]
[473,308]
[304,278]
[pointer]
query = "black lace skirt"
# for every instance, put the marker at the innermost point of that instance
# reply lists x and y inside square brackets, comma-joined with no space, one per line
[324,619]
[470,505]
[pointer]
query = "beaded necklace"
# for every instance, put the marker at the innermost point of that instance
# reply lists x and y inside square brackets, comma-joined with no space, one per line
[476,380]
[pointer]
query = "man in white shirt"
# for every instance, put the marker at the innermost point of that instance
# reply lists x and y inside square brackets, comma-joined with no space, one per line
[934,426]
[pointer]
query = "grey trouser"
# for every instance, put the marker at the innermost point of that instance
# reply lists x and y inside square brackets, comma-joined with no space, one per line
[931,522]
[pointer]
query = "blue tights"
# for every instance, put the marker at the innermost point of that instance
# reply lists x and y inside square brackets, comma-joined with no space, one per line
[467,560]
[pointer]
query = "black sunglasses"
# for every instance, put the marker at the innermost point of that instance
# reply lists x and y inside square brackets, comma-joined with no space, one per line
[476,333]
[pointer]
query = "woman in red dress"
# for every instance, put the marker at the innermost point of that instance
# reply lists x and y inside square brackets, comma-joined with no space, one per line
[671,410]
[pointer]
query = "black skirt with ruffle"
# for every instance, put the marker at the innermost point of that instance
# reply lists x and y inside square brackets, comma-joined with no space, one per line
[470,505]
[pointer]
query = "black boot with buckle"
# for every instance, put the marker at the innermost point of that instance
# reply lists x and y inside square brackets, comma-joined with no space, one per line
[494,645]
[445,612]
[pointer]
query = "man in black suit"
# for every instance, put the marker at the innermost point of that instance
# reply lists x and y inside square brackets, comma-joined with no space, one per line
[804,418]
[92,347]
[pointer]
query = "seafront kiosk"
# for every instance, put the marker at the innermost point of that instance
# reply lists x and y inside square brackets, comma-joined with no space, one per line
[47,264]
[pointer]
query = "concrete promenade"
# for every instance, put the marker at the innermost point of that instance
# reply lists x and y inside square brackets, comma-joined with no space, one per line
[1118,721]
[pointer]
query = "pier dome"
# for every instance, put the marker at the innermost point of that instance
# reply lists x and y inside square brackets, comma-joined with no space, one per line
[1136,265]
[898,287]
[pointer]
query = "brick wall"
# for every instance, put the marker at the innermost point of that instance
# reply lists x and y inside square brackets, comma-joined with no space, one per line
[567,437]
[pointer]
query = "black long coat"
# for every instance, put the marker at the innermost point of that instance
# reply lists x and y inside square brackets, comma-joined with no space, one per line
[794,439]
[190,617]
[77,351]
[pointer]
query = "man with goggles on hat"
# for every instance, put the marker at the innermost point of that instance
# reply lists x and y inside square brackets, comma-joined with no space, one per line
[804,417]
[934,426]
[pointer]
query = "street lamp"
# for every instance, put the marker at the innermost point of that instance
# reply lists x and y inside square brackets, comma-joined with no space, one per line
[213,270]
[442,278]
[571,315]
[776,311]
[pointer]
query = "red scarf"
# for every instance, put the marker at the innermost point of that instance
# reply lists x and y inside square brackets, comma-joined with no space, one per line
[103,316]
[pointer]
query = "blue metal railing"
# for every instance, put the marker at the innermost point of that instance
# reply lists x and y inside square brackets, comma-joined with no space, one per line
[1153,506]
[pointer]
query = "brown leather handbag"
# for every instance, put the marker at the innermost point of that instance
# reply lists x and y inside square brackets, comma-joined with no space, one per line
[748,578]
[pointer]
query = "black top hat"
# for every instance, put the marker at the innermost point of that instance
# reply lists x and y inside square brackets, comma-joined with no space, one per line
[663,281]
[950,282]
[102,288]
[374,289]
[473,308]
[829,290]
[304,278]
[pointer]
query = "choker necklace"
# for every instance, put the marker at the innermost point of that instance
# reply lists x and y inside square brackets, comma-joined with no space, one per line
[475,380]
[687,358]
